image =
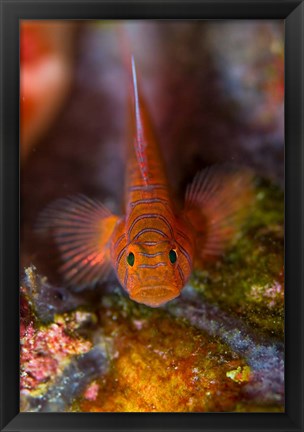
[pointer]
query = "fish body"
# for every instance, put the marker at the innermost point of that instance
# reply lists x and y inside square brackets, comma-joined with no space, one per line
[152,247]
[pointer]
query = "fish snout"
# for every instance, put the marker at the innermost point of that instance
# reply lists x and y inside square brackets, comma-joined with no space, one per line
[154,296]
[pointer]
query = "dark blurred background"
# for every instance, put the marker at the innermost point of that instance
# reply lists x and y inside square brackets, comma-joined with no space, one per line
[215,90]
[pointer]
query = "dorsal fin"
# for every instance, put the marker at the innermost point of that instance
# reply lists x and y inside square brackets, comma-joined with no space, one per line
[140,143]
[145,166]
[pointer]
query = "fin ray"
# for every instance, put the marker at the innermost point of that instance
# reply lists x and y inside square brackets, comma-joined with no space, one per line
[82,229]
[217,202]
[140,143]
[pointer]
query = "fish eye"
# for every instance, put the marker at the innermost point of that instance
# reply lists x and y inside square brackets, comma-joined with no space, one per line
[131,259]
[172,256]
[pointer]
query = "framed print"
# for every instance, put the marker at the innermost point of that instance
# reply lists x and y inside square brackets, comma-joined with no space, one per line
[152,241]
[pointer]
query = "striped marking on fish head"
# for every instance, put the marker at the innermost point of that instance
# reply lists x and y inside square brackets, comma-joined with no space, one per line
[153,259]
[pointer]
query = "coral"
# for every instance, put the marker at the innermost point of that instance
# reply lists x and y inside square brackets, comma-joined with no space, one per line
[162,364]
[91,391]
[199,353]
[249,280]
[56,362]
[239,374]
[44,351]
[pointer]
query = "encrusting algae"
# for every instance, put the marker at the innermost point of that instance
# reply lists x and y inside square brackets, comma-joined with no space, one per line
[197,353]
[152,374]
[249,280]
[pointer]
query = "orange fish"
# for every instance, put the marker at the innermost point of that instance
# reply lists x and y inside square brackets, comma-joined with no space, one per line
[153,247]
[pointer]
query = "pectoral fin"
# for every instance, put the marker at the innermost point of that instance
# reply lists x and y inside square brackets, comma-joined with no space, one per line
[82,229]
[216,205]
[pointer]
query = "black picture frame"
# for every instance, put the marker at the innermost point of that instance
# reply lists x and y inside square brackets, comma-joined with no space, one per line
[292,11]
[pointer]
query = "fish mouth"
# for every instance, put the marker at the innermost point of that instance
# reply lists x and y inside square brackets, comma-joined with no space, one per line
[154,296]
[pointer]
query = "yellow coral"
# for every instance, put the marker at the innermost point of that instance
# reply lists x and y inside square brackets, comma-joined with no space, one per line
[241,374]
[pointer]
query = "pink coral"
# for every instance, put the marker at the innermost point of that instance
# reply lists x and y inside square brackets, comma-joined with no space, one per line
[92,391]
[44,350]
[272,293]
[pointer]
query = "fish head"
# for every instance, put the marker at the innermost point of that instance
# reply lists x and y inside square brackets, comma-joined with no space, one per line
[154,271]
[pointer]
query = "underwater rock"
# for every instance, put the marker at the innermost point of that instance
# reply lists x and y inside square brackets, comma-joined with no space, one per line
[249,279]
[215,348]
[71,382]
[161,364]
[56,362]
[218,347]
[44,350]
[264,356]
[45,299]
